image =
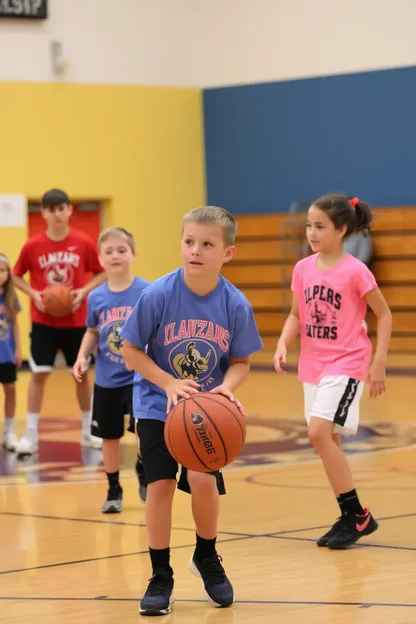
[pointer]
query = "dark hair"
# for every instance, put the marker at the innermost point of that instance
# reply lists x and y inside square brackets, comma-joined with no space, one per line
[54,197]
[342,210]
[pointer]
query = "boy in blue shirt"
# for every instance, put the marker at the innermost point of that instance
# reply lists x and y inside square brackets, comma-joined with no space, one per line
[199,331]
[109,306]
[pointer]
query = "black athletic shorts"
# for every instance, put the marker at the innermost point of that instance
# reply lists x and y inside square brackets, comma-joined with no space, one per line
[109,406]
[158,463]
[7,372]
[46,341]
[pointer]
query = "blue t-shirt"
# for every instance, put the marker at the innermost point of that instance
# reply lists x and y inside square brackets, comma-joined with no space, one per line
[7,342]
[188,336]
[107,312]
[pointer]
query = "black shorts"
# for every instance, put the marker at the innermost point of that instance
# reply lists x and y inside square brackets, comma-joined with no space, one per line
[109,406]
[45,342]
[7,373]
[158,463]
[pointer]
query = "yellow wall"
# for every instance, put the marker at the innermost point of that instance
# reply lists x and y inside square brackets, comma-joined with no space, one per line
[139,148]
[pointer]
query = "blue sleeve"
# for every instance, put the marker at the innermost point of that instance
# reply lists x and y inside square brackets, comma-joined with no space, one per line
[246,339]
[145,318]
[92,316]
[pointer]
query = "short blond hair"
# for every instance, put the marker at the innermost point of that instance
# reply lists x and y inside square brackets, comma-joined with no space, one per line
[117,232]
[214,215]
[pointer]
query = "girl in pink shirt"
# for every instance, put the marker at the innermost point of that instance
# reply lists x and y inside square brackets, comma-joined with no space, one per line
[331,291]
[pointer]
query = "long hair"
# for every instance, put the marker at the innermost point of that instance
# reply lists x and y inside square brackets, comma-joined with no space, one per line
[9,291]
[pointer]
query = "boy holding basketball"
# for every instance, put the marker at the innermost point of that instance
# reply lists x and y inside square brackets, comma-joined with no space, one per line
[109,306]
[199,331]
[60,255]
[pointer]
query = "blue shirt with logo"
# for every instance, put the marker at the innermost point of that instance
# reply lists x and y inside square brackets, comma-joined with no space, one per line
[188,336]
[7,342]
[108,311]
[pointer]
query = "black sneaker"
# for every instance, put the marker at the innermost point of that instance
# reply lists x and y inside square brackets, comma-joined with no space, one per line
[351,529]
[142,480]
[218,589]
[114,502]
[158,596]
[324,539]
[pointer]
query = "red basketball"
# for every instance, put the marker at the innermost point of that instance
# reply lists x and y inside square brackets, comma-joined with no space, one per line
[205,432]
[57,300]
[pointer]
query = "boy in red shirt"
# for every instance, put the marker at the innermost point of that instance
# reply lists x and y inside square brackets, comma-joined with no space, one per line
[60,255]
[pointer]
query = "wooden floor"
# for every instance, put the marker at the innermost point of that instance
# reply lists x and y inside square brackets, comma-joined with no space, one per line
[62,561]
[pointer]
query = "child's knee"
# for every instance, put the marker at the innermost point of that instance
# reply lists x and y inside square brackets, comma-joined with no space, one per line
[162,488]
[320,432]
[9,390]
[201,482]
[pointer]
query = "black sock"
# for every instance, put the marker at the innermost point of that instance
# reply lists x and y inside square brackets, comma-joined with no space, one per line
[351,503]
[160,559]
[341,505]
[205,548]
[113,479]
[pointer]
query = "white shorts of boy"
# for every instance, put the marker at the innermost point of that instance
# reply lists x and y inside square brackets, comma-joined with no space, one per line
[335,398]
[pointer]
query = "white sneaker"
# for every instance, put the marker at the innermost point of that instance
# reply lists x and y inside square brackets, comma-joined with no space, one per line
[27,445]
[90,441]
[10,441]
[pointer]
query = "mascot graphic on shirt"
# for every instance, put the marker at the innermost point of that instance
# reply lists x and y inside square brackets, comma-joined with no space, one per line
[4,328]
[114,340]
[59,274]
[193,359]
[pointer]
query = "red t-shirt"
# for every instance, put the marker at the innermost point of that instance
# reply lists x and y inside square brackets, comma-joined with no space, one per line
[58,262]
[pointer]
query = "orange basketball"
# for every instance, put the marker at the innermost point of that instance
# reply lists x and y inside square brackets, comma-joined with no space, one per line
[57,300]
[205,432]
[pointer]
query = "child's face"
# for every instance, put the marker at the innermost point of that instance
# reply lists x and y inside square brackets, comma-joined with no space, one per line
[57,216]
[4,274]
[116,255]
[203,250]
[321,233]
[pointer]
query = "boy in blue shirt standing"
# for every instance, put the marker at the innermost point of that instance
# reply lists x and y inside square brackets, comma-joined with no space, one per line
[109,306]
[199,331]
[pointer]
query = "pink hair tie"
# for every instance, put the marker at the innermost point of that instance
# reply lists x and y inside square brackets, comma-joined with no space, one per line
[354,201]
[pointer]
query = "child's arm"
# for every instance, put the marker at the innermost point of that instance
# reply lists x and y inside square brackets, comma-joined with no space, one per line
[377,374]
[88,344]
[234,377]
[17,351]
[136,359]
[36,295]
[290,331]
[80,293]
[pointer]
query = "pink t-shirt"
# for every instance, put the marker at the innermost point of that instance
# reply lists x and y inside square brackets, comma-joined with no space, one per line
[332,310]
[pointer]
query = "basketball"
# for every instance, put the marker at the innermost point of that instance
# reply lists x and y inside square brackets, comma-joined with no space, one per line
[205,432]
[57,300]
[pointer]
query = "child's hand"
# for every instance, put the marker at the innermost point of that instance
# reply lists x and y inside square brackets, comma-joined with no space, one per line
[279,358]
[227,393]
[177,389]
[77,297]
[17,358]
[80,368]
[377,378]
[38,300]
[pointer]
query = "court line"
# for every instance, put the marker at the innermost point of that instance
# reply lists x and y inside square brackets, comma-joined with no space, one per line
[117,556]
[113,522]
[360,605]
[311,539]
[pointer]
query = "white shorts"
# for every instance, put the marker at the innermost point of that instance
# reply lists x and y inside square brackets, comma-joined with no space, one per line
[335,398]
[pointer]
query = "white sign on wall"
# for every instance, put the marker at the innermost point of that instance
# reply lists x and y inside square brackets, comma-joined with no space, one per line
[12,211]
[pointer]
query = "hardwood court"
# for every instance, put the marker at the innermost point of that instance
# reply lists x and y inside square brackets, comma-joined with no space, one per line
[63,561]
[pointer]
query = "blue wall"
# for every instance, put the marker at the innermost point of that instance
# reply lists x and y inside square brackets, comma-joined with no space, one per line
[268,145]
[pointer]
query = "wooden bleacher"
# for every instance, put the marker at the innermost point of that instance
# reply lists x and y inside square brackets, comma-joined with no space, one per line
[263,263]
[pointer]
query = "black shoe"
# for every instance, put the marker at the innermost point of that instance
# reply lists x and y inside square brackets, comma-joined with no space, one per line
[218,589]
[142,480]
[351,529]
[324,539]
[158,596]
[114,502]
